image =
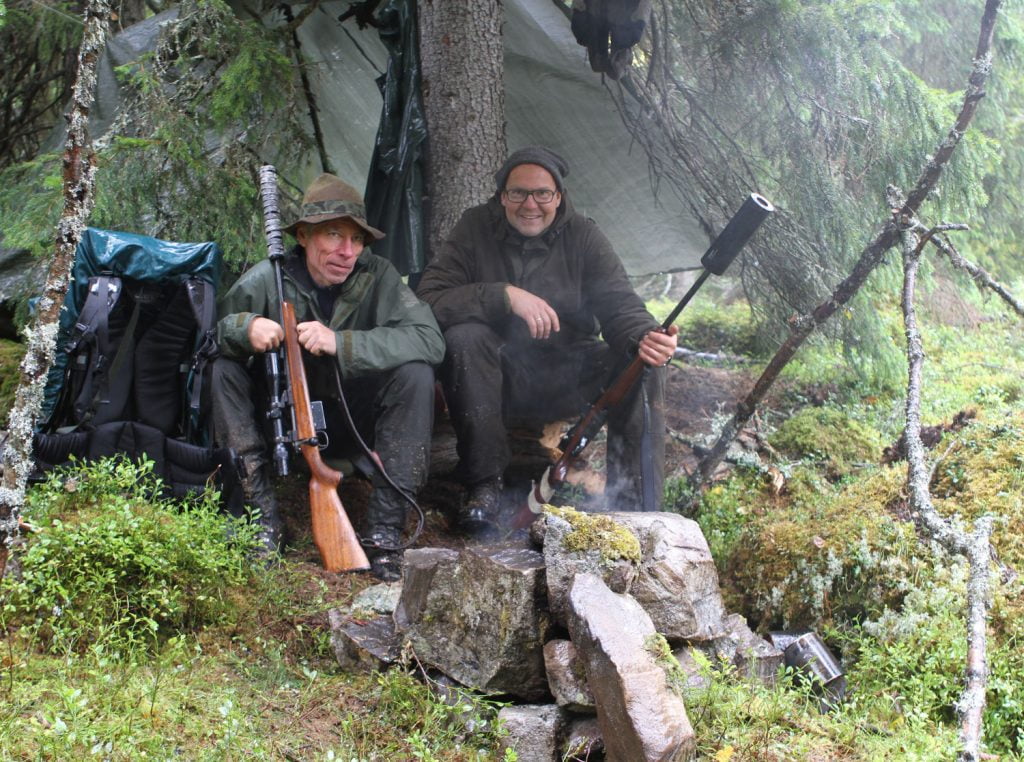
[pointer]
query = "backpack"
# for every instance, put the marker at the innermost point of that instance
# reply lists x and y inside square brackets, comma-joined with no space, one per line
[135,336]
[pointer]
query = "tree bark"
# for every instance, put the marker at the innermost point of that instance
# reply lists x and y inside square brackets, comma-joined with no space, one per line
[870,257]
[79,168]
[947,531]
[462,61]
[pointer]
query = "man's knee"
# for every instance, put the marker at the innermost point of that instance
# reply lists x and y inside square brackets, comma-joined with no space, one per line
[229,374]
[470,338]
[415,379]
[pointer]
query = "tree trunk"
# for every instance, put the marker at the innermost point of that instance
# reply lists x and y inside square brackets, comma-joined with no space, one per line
[462,61]
[79,170]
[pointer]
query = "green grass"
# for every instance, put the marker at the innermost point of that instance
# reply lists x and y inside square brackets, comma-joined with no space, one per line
[142,628]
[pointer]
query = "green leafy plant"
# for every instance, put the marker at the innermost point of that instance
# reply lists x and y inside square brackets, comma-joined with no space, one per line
[908,665]
[112,561]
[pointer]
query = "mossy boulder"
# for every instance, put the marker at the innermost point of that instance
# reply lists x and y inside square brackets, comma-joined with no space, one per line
[824,554]
[596,532]
[821,552]
[982,472]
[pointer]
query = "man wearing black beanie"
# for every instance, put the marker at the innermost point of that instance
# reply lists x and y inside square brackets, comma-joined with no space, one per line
[525,289]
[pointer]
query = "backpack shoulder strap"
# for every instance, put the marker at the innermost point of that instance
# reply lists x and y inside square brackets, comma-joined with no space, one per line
[89,350]
[202,299]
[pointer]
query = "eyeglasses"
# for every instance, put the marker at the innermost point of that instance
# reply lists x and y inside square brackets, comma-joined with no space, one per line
[541,195]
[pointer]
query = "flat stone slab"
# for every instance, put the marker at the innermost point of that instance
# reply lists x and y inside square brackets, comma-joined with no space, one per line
[364,645]
[640,716]
[377,599]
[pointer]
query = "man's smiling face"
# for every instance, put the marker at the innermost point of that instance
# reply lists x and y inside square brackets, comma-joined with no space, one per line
[530,217]
[332,249]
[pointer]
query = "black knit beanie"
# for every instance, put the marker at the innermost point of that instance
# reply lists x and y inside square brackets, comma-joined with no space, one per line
[539,155]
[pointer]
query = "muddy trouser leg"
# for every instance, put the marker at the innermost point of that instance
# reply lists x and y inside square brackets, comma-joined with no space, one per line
[394,411]
[235,425]
[632,454]
[472,380]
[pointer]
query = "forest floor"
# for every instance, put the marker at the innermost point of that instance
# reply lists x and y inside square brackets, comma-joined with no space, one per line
[801,525]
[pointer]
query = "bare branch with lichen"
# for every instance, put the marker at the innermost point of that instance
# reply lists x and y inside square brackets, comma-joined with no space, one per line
[79,168]
[979,274]
[947,531]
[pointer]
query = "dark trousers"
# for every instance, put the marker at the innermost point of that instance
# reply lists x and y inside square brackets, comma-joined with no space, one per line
[392,410]
[491,383]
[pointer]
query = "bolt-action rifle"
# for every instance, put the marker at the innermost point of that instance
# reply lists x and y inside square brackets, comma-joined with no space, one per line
[340,549]
[716,259]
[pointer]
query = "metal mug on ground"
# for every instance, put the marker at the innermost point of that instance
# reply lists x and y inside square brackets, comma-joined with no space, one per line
[809,654]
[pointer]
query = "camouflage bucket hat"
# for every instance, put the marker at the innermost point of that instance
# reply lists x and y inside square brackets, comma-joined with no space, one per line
[328,198]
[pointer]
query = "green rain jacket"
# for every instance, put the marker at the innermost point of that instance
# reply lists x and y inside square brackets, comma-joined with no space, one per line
[377,321]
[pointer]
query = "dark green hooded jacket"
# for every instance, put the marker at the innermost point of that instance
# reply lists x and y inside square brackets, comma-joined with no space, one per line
[571,265]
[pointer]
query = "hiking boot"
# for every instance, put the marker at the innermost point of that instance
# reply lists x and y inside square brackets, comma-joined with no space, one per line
[479,515]
[259,494]
[270,533]
[384,554]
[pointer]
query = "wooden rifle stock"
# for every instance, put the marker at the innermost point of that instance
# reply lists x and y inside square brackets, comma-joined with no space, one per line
[339,546]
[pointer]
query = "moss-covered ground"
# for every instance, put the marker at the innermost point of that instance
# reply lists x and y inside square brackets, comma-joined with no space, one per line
[816,534]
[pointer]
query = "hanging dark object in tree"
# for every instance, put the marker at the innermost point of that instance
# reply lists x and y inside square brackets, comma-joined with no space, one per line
[609,29]
[362,13]
[395,185]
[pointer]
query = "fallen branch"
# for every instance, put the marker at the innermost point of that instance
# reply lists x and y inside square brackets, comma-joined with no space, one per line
[79,167]
[870,257]
[713,358]
[946,531]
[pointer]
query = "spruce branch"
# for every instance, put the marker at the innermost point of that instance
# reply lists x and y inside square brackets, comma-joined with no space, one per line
[902,220]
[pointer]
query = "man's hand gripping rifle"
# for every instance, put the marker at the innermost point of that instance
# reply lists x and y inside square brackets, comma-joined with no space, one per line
[716,259]
[340,549]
